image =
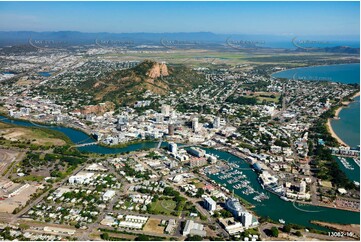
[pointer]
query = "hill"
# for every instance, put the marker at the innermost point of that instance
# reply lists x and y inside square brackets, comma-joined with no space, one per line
[124,87]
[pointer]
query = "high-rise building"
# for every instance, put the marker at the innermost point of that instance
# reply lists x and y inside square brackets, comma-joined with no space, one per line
[246,219]
[173,148]
[209,204]
[195,124]
[196,152]
[234,206]
[166,110]
[217,122]
[170,129]
[303,187]
[159,118]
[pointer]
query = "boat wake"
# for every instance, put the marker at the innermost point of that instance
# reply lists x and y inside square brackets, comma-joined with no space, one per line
[305,210]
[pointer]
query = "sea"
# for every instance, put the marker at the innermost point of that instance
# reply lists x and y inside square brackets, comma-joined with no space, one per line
[343,73]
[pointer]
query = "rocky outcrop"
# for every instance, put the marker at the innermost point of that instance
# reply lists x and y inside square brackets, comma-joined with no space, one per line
[158,70]
[98,109]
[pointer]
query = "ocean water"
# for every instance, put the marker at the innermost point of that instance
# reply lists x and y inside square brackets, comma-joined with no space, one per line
[322,44]
[344,73]
[348,126]
[353,175]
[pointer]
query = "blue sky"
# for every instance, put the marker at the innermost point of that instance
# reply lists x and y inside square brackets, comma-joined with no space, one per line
[276,18]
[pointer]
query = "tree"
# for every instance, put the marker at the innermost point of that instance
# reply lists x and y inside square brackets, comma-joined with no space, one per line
[286,228]
[298,233]
[104,236]
[274,232]
[24,227]
[200,192]
[142,237]
[194,238]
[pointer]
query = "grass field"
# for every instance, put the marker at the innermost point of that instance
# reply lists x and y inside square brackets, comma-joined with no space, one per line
[163,206]
[33,135]
[207,58]
[153,226]
[274,99]
[30,178]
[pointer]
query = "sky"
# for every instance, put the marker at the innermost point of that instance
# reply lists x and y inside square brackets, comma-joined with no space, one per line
[275,18]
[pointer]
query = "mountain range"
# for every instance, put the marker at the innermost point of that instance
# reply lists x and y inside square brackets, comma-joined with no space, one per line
[183,38]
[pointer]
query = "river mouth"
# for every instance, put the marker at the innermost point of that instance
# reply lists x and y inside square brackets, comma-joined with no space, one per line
[274,207]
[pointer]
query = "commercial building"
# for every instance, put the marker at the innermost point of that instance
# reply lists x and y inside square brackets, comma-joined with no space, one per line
[231,226]
[303,187]
[195,124]
[234,206]
[192,228]
[173,148]
[59,230]
[81,178]
[159,118]
[166,110]
[196,152]
[172,225]
[196,162]
[133,222]
[170,129]
[217,122]
[267,179]
[246,219]
[209,204]
[108,195]
[239,212]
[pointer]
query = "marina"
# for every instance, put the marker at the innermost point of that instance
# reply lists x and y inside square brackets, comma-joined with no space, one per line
[345,163]
[357,161]
[238,181]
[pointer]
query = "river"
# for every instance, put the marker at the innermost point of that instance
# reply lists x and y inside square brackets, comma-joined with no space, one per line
[275,208]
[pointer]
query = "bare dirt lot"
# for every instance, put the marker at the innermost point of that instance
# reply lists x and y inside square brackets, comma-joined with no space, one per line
[34,136]
[6,158]
[14,195]
[153,226]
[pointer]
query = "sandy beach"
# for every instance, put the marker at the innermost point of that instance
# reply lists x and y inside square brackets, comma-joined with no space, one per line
[329,126]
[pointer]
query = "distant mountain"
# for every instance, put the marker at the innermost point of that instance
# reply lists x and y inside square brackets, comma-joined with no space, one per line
[73,37]
[166,40]
[336,49]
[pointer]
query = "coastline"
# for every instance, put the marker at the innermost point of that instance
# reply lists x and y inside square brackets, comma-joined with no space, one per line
[337,112]
[310,66]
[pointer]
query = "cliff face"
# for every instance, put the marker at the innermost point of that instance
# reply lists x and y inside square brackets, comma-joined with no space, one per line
[158,70]
[98,109]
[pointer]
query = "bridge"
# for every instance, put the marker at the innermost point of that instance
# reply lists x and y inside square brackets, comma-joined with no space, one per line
[186,146]
[86,144]
[160,143]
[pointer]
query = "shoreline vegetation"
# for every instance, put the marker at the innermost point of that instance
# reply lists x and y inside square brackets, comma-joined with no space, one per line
[336,116]
[349,230]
